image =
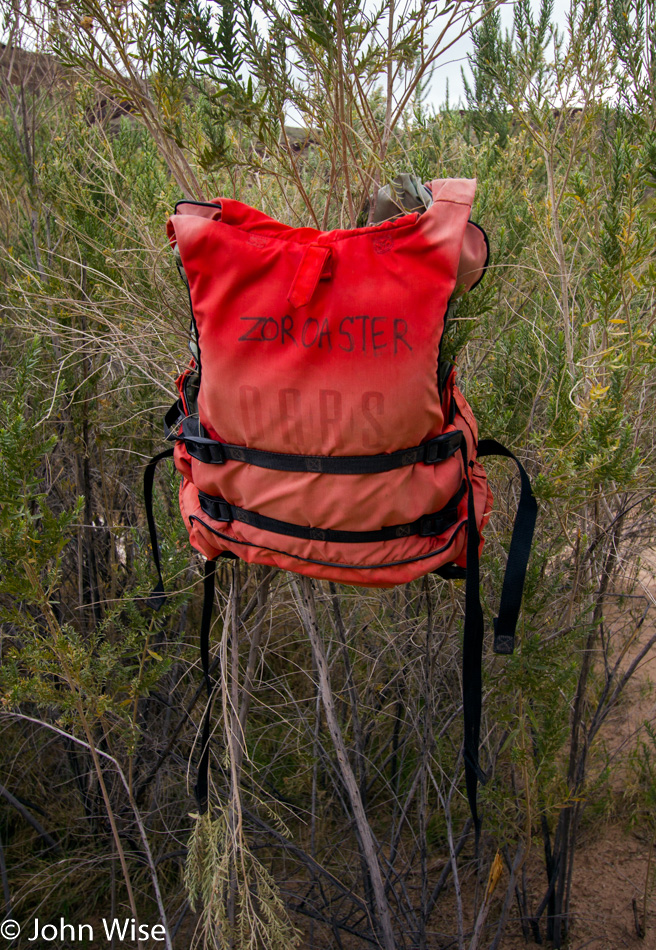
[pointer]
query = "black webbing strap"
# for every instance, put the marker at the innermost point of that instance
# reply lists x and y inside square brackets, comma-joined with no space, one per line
[427,526]
[504,624]
[518,553]
[472,659]
[200,446]
[157,596]
[201,788]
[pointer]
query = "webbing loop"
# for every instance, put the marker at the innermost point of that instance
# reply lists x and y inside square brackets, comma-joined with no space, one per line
[315,265]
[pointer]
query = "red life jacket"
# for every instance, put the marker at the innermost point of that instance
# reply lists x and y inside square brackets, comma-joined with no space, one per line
[334,451]
[315,430]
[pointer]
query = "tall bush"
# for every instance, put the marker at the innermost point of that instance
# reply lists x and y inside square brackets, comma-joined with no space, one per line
[336,804]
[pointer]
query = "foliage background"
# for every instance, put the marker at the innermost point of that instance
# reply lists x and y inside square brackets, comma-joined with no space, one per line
[101,699]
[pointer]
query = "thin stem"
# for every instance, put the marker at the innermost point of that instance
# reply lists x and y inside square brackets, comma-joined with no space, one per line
[307,608]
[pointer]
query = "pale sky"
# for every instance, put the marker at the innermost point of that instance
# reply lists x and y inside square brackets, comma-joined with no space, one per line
[456,58]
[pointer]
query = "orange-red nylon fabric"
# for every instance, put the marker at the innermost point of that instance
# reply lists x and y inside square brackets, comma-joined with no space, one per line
[327,343]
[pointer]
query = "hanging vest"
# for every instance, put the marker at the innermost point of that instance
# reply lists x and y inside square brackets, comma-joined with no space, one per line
[316,429]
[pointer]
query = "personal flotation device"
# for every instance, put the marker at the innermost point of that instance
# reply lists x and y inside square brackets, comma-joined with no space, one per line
[317,429]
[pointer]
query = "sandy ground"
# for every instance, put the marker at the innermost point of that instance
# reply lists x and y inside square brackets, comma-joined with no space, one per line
[610,867]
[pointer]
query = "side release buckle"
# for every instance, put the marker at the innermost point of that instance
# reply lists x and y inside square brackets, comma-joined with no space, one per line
[199,446]
[443,447]
[217,508]
[438,522]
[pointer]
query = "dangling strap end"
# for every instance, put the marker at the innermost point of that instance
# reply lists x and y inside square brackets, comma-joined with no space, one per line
[474,765]
[201,800]
[157,597]
[504,643]
[202,786]
[472,769]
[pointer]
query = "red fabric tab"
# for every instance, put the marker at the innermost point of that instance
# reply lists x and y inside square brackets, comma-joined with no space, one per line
[314,265]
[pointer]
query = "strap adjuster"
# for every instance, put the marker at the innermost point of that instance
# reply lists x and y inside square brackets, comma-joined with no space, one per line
[205,450]
[431,525]
[439,521]
[199,445]
[428,526]
[225,511]
[217,508]
[441,448]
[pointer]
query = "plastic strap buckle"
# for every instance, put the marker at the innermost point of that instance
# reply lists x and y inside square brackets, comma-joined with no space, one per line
[225,511]
[439,521]
[431,525]
[441,448]
[199,446]
[217,508]
[205,450]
